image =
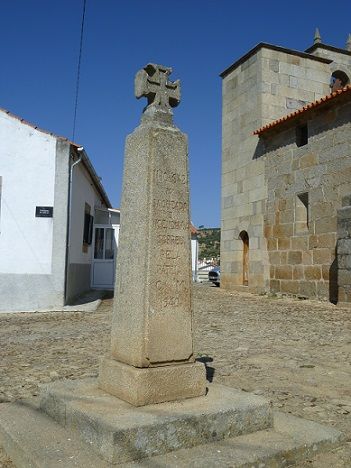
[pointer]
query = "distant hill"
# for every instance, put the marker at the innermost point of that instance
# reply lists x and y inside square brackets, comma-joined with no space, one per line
[209,242]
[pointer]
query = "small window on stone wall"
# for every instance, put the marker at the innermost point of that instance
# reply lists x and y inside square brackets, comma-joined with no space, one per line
[302,135]
[338,80]
[301,212]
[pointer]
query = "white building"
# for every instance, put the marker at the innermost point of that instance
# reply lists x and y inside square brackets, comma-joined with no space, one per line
[194,252]
[57,229]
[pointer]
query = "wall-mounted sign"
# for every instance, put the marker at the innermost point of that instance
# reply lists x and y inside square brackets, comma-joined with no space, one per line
[44,211]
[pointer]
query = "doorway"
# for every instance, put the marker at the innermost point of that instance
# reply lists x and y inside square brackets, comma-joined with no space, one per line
[104,257]
[245,238]
[104,252]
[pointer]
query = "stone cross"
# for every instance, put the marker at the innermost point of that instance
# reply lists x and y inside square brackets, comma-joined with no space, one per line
[152,358]
[152,82]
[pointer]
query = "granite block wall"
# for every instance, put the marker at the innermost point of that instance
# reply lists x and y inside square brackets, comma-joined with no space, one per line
[305,187]
[344,251]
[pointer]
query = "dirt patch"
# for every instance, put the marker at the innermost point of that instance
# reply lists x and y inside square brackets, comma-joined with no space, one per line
[296,353]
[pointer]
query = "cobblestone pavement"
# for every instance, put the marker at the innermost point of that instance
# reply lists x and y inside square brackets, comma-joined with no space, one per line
[296,353]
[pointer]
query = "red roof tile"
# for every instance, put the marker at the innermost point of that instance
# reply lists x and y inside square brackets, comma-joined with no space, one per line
[307,107]
[193,230]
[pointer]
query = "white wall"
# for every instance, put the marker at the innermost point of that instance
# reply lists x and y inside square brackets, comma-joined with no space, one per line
[194,257]
[83,191]
[27,167]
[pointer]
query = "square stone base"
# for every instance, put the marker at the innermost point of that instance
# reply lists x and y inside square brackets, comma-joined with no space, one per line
[120,432]
[147,386]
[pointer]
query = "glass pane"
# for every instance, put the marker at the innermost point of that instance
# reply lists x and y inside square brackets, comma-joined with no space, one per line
[101,217]
[99,243]
[114,217]
[109,244]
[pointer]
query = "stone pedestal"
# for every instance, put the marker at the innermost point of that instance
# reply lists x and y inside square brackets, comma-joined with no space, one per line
[145,386]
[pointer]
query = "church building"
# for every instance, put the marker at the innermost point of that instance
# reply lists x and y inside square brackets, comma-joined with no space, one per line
[286,172]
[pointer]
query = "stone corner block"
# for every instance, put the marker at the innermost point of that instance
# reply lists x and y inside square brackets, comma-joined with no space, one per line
[145,386]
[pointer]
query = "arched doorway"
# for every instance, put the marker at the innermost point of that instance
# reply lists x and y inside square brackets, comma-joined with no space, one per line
[245,238]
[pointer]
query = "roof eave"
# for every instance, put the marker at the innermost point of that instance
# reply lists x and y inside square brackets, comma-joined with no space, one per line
[320,45]
[304,111]
[95,178]
[272,47]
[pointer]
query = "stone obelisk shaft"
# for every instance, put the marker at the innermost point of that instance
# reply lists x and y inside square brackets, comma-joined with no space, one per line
[152,311]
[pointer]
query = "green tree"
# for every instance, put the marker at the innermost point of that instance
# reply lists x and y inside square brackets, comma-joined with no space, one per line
[209,243]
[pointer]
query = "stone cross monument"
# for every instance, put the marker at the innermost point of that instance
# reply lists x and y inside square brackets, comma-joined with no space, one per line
[152,357]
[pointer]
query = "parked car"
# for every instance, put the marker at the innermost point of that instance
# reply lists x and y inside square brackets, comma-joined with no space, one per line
[215,276]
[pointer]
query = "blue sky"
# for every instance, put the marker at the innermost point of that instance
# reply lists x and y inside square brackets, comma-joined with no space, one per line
[198,38]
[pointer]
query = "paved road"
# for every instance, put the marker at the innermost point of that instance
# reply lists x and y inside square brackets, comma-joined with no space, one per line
[296,353]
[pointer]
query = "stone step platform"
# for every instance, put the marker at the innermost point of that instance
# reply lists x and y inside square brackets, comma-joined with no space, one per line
[33,439]
[120,432]
[290,441]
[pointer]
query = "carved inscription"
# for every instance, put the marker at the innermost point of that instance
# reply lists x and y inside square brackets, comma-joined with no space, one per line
[167,223]
[170,239]
[170,233]
[161,176]
[169,205]
[170,291]
[181,290]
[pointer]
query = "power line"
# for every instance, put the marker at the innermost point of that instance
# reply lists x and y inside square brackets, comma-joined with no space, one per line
[78,70]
